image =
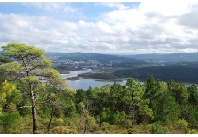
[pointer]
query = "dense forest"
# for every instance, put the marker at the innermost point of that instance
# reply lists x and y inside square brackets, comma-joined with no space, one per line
[171,57]
[178,72]
[34,99]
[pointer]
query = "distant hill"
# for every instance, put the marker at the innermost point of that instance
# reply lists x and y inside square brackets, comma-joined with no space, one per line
[179,73]
[103,58]
[172,57]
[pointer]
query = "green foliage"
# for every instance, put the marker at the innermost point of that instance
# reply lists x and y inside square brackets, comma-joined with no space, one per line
[192,131]
[178,73]
[27,57]
[91,123]
[146,112]
[115,118]
[4,60]
[7,89]
[182,124]
[193,95]
[105,126]
[162,102]
[53,77]
[30,55]
[81,105]
[179,91]
[191,114]
[58,122]
[169,110]
[63,130]
[11,122]
[29,63]
[157,128]
[10,67]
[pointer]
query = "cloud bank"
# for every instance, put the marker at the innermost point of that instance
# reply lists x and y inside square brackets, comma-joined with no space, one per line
[150,27]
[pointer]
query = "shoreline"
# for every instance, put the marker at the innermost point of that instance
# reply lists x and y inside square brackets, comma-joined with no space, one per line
[84,76]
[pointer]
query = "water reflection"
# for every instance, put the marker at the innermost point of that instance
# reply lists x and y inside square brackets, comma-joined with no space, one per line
[85,83]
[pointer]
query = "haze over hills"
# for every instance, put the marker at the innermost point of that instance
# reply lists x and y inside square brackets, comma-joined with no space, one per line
[103,58]
[169,57]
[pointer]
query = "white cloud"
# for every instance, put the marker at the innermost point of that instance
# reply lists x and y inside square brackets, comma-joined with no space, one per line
[117,5]
[152,27]
[190,19]
[104,27]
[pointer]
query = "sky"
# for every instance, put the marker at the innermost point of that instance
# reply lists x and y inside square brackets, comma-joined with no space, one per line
[145,26]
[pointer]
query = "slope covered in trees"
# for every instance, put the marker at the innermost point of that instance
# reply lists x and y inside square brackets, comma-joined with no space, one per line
[180,73]
[34,99]
[171,57]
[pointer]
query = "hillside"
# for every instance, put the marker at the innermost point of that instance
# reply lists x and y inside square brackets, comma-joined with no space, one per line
[103,58]
[172,57]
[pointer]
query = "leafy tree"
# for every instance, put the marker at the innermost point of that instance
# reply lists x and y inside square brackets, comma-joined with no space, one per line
[181,95]
[193,95]
[102,94]
[163,104]
[116,97]
[81,96]
[133,97]
[27,61]
[179,91]
[86,120]
[169,110]
[152,89]
[191,114]
[145,114]
[56,89]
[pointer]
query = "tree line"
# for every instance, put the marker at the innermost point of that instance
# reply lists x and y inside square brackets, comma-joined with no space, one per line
[178,72]
[34,99]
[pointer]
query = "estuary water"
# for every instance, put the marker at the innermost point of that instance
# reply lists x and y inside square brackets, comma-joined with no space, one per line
[86,83]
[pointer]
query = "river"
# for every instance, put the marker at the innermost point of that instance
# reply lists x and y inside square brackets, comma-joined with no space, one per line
[86,83]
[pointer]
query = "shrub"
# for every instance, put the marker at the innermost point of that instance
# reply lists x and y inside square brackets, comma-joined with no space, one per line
[157,128]
[182,124]
[105,125]
[63,130]
[59,122]
[192,131]
[10,122]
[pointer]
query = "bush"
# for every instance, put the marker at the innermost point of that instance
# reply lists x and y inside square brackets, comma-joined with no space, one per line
[105,125]
[59,122]
[157,128]
[182,124]
[10,122]
[131,131]
[192,131]
[63,130]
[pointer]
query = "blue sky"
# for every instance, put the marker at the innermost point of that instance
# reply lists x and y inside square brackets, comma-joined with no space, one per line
[103,27]
[88,11]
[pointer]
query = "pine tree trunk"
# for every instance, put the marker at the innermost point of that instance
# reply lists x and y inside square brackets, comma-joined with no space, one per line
[34,114]
[50,123]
